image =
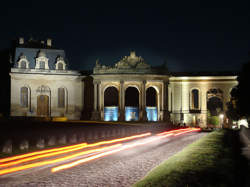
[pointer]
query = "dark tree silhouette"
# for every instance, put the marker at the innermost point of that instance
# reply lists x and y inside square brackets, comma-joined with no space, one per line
[232,111]
[241,93]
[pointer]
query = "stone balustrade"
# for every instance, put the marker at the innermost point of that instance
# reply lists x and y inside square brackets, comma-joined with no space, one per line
[57,137]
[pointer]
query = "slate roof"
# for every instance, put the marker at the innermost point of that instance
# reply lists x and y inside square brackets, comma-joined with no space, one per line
[31,55]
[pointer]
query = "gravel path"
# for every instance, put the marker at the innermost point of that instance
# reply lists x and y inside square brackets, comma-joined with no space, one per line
[120,169]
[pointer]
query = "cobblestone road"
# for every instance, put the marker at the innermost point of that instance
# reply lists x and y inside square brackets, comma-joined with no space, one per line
[120,169]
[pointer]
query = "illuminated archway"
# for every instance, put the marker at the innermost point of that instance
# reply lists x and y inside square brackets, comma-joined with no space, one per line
[151,104]
[111,104]
[131,104]
[214,106]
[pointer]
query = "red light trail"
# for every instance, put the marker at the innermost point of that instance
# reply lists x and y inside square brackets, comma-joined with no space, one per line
[98,152]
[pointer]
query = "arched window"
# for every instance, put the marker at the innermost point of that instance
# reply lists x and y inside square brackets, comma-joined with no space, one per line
[42,65]
[23,65]
[195,99]
[61,97]
[24,97]
[60,66]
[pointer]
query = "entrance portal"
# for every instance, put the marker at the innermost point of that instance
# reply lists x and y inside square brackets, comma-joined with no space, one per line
[111,104]
[214,107]
[151,104]
[131,104]
[43,105]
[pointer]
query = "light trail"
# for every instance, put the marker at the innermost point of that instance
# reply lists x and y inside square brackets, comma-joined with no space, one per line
[58,151]
[42,156]
[40,152]
[104,151]
[119,139]
[171,131]
[73,164]
[166,134]
[191,130]
[43,163]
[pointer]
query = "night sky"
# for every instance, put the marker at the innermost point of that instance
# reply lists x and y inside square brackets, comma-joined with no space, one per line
[189,36]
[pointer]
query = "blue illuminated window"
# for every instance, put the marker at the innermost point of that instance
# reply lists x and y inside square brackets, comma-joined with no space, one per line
[151,113]
[111,113]
[131,113]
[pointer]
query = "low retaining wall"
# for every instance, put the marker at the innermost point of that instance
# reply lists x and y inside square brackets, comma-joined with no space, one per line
[39,136]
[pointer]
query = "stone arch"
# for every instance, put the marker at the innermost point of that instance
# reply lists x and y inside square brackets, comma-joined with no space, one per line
[111,102]
[151,96]
[152,101]
[111,96]
[132,96]
[214,106]
[132,103]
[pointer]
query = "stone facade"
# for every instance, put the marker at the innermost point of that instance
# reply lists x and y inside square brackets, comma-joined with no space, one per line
[36,78]
[180,96]
[42,85]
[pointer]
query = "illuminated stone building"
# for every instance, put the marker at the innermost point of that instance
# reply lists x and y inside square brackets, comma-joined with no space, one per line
[42,84]
[158,95]
[131,90]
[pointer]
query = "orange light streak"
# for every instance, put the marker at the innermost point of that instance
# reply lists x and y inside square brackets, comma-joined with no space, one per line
[38,164]
[40,152]
[192,130]
[172,131]
[42,156]
[73,164]
[120,139]
[58,151]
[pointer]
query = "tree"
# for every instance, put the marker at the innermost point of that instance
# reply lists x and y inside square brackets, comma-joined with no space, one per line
[232,111]
[241,93]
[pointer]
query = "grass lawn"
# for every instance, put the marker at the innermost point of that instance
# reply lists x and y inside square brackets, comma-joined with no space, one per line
[214,160]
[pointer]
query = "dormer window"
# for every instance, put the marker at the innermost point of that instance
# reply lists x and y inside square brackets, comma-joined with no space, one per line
[60,66]
[23,63]
[60,63]
[42,65]
[42,61]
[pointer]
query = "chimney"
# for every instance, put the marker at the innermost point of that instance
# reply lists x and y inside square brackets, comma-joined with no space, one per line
[21,41]
[49,42]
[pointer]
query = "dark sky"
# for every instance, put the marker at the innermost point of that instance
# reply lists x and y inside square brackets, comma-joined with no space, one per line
[189,36]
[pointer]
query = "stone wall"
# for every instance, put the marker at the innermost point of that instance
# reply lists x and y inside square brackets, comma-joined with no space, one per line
[56,134]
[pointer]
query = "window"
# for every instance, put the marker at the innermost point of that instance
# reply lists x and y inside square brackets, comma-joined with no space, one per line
[195,99]
[24,97]
[23,65]
[61,97]
[42,65]
[60,66]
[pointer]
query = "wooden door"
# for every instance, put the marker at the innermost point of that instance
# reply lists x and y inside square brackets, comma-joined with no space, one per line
[42,105]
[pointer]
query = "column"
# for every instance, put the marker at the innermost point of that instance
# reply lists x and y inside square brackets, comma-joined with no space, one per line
[95,96]
[122,102]
[100,101]
[143,102]
[96,111]
[166,115]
